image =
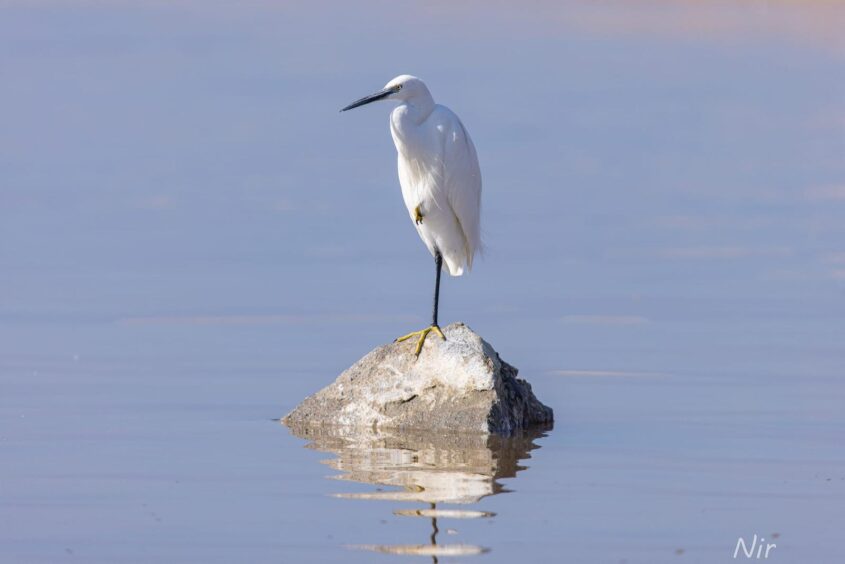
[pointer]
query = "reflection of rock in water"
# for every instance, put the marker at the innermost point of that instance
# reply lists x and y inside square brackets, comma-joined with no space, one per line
[427,468]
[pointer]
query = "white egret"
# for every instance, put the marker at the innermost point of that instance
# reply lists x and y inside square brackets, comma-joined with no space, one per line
[440,179]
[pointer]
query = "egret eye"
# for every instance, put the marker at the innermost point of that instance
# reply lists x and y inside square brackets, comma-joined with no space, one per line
[398,87]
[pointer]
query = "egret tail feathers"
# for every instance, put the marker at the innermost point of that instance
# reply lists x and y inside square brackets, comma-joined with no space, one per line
[455,266]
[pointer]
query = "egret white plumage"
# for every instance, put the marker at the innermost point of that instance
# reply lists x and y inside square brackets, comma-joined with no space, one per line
[440,179]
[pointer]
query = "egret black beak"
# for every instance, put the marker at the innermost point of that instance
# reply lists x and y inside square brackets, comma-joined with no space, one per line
[367,99]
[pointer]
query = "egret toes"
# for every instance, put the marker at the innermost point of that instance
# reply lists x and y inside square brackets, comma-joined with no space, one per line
[418,216]
[423,333]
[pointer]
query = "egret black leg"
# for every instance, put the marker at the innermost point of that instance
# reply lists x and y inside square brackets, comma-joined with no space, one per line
[422,334]
[438,262]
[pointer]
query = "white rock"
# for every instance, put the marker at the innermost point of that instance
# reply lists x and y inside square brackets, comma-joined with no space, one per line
[459,384]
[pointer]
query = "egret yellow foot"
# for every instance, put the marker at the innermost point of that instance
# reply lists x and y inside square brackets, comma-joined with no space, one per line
[423,333]
[418,216]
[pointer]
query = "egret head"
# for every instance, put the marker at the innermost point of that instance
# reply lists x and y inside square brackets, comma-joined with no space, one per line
[403,88]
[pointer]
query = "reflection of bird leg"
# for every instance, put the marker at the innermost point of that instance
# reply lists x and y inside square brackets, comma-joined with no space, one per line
[434,531]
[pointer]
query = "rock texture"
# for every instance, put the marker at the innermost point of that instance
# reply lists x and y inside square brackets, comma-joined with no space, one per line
[458,385]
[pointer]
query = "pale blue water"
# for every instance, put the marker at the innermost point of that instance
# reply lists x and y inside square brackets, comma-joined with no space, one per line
[192,239]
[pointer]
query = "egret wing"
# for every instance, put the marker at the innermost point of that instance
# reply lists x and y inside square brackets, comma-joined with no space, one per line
[462,181]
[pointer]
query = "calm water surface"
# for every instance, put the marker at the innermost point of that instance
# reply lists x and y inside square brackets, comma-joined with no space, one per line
[192,239]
